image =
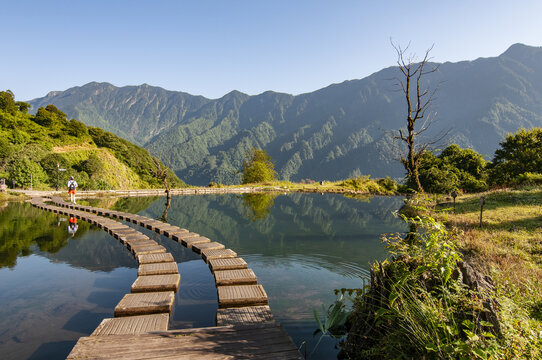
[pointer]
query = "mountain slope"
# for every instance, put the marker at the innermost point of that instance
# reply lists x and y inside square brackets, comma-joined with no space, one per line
[32,146]
[342,130]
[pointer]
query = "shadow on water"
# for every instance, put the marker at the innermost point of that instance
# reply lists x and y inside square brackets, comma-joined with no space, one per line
[53,350]
[85,321]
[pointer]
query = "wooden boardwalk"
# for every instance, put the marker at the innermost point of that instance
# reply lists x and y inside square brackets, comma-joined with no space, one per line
[257,341]
[243,304]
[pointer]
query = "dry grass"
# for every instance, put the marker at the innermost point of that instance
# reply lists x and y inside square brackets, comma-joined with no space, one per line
[509,247]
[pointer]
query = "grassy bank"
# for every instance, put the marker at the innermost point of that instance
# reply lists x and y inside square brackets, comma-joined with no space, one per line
[458,291]
[358,185]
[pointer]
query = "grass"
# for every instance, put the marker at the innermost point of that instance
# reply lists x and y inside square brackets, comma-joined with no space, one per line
[509,247]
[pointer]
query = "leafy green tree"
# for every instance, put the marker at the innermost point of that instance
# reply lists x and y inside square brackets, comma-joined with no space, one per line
[25,171]
[519,153]
[23,106]
[258,167]
[7,102]
[77,129]
[454,168]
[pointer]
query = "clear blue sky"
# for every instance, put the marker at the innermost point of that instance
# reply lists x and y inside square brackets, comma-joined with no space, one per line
[212,47]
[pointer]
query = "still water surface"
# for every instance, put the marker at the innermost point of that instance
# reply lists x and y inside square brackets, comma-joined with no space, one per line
[55,288]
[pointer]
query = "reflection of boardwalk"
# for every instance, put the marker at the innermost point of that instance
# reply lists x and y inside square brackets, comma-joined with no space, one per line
[241,301]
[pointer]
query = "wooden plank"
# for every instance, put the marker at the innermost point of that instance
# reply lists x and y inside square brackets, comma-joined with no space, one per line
[241,295]
[180,237]
[169,282]
[145,303]
[233,263]
[155,258]
[153,225]
[164,227]
[131,325]
[198,248]
[139,243]
[258,341]
[158,268]
[169,233]
[208,255]
[117,234]
[147,249]
[194,240]
[137,236]
[244,315]
[235,277]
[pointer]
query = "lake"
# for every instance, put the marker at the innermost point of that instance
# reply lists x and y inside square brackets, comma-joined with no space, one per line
[55,288]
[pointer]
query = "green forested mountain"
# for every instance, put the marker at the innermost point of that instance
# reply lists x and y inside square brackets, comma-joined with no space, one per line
[31,146]
[342,130]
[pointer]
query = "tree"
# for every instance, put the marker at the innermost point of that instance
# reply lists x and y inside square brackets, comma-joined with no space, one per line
[519,153]
[7,102]
[419,100]
[258,167]
[455,168]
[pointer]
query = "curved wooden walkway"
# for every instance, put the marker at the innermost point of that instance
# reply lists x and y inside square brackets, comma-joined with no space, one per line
[242,318]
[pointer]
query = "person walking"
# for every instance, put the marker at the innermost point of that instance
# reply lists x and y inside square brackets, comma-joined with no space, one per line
[72,186]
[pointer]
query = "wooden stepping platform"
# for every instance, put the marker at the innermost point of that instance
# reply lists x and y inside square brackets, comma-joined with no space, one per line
[132,237]
[153,225]
[208,255]
[258,341]
[235,277]
[241,295]
[198,248]
[233,263]
[165,227]
[244,315]
[158,269]
[131,325]
[189,242]
[155,283]
[145,303]
[155,258]
[170,232]
[147,249]
[139,243]
[180,237]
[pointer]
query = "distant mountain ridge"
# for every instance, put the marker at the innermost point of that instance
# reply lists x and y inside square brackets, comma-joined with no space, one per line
[339,131]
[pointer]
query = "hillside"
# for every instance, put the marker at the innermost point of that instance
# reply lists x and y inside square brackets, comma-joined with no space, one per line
[342,130]
[31,146]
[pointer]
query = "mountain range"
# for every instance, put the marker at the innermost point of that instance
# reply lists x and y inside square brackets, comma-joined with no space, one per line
[339,131]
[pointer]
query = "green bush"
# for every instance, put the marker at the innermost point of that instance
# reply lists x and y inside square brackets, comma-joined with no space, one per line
[258,167]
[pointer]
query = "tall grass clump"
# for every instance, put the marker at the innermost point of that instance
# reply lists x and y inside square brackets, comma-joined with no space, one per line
[423,302]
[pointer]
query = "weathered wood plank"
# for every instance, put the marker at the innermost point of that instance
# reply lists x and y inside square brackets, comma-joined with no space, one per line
[258,341]
[158,269]
[243,315]
[208,255]
[132,237]
[189,242]
[145,303]
[233,263]
[235,277]
[170,232]
[131,325]
[180,237]
[241,295]
[155,258]
[147,249]
[164,227]
[169,282]
[198,248]
[131,244]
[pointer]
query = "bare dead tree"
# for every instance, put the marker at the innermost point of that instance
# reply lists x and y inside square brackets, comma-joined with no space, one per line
[160,173]
[419,100]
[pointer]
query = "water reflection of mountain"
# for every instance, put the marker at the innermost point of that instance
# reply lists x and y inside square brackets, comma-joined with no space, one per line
[95,251]
[25,230]
[338,227]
